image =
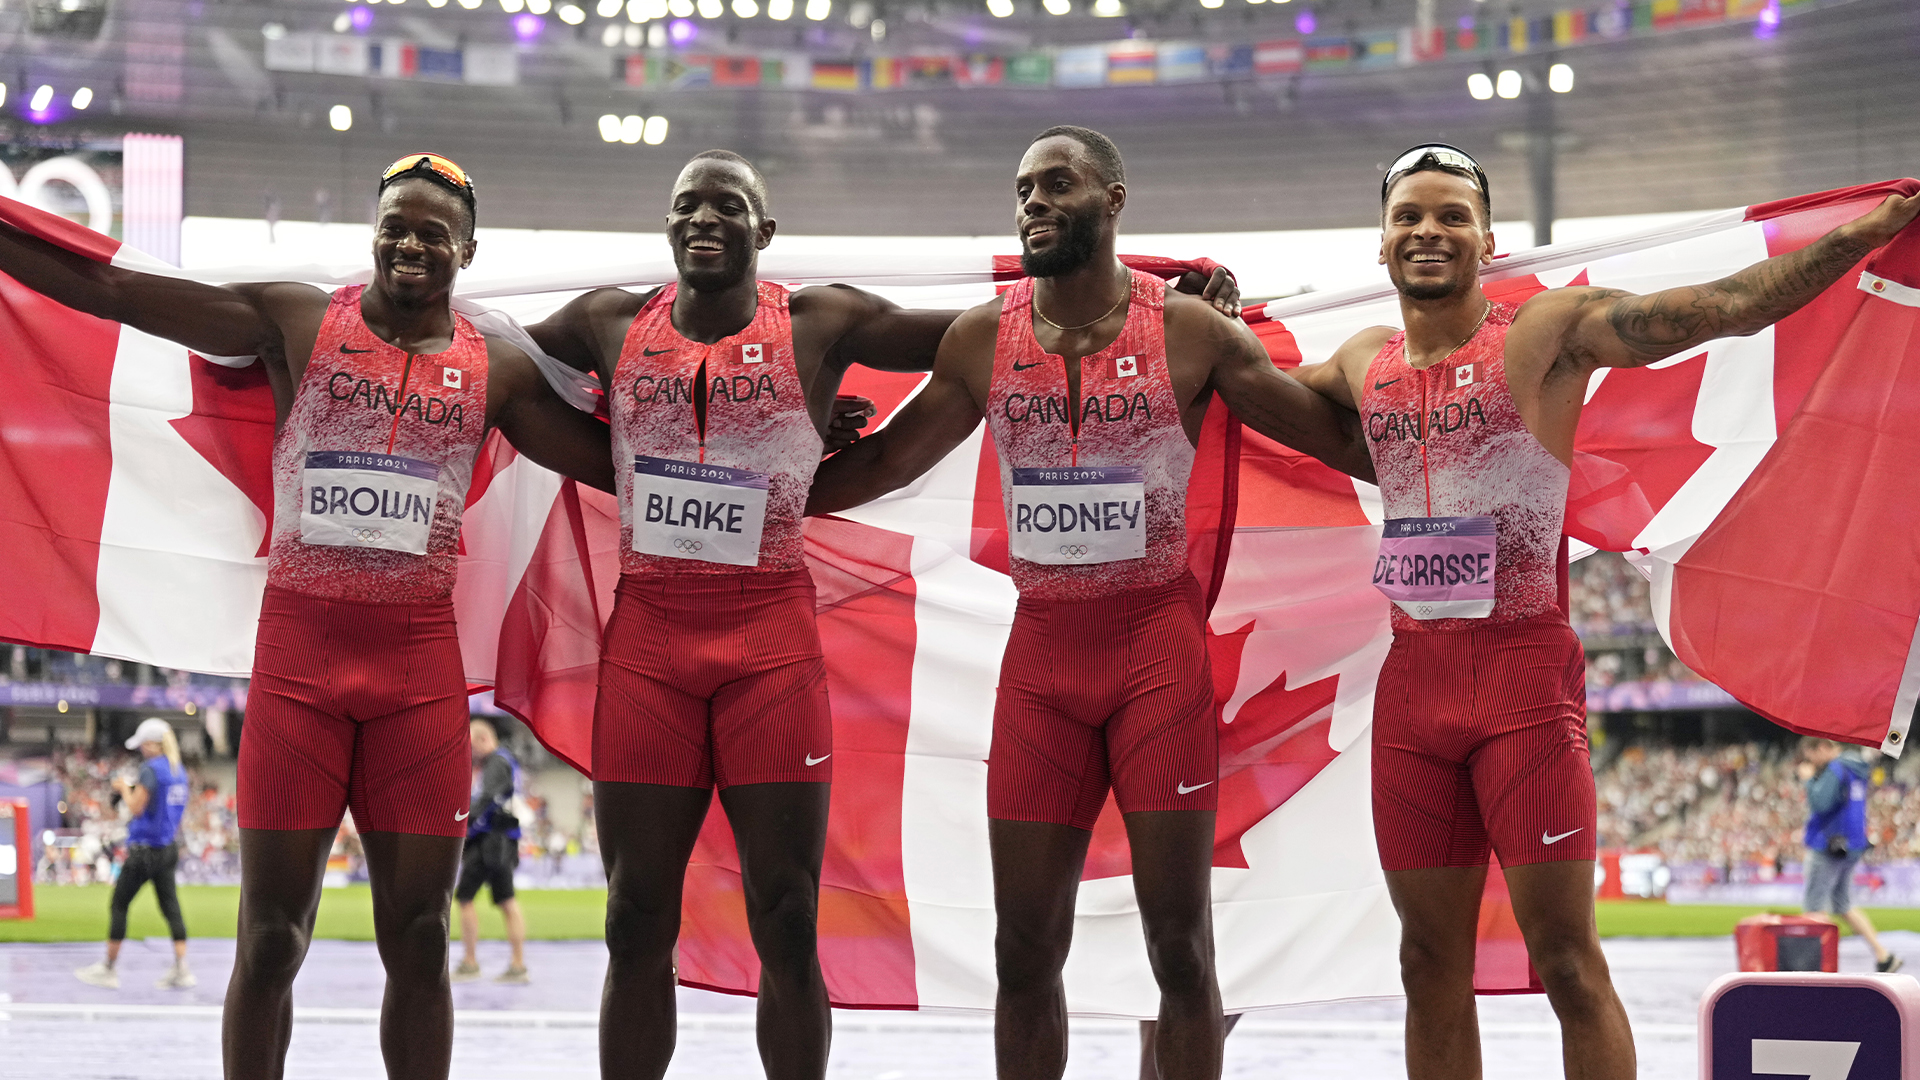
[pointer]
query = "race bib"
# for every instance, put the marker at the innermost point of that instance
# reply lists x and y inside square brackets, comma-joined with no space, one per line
[1078,515]
[1438,568]
[710,513]
[368,500]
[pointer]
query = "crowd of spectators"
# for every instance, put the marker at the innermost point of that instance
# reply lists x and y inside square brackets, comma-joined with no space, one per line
[1609,598]
[1740,809]
[24,665]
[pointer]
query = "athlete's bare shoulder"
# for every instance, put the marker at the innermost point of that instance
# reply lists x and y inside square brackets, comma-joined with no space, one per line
[1362,347]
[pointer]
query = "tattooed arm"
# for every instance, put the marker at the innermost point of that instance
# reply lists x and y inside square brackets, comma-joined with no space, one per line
[1582,329]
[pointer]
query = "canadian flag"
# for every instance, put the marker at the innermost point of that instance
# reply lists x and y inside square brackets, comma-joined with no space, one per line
[752,354]
[452,378]
[134,494]
[1125,367]
[1463,375]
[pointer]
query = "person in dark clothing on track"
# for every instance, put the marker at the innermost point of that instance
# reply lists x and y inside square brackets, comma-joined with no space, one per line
[491,854]
[155,801]
[1837,779]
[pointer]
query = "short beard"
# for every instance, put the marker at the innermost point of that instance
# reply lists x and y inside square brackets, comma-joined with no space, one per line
[1440,290]
[1071,250]
[739,267]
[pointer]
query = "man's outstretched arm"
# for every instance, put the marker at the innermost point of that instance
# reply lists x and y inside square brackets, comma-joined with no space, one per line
[211,319]
[543,427]
[1276,405]
[1609,328]
[925,430]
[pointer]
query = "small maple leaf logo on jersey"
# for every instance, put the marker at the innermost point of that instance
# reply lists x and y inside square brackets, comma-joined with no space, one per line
[753,354]
[1126,367]
[1275,743]
[452,378]
[1463,375]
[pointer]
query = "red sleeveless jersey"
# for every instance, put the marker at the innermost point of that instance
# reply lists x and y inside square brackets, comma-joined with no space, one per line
[757,420]
[364,403]
[1128,416]
[1447,441]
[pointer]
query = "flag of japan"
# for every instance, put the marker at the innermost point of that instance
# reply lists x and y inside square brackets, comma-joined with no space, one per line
[1463,375]
[752,354]
[1124,367]
[452,378]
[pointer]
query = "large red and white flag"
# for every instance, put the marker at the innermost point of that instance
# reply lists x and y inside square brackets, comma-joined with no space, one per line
[134,494]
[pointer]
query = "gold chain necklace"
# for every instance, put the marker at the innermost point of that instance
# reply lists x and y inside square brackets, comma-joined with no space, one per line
[1436,363]
[1124,297]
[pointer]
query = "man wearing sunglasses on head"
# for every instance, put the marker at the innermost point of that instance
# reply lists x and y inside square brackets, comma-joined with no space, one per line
[1479,735]
[382,396]
[719,387]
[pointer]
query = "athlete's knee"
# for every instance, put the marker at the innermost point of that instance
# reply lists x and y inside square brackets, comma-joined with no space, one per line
[785,927]
[1574,972]
[1424,966]
[1025,960]
[1182,963]
[639,931]
[414,948]
[269,952]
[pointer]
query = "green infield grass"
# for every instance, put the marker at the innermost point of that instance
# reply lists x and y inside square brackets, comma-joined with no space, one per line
[79,913]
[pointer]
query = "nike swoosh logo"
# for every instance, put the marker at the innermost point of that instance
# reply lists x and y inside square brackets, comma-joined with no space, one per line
[1185,790]
[1018,366]
[1389,382]
[343,348]
[657,352]
[812,761]
[461,816]
[1545,839]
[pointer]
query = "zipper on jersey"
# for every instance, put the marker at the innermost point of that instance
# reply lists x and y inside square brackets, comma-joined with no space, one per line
[700,406]
[1426,472]
[400,402]
[1073,410]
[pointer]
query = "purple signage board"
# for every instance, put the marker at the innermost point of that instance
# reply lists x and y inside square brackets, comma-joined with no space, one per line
[1767,1025]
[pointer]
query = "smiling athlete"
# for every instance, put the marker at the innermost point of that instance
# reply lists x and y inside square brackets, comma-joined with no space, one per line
[719,387]
[382,395]
[1095,381]
[1479,733]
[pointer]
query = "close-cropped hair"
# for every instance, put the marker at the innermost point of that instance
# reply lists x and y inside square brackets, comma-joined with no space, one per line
[1105,155]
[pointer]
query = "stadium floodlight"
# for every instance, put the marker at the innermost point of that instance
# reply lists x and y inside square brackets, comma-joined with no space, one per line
[680,9]
[274,31]
[607,9]
[342,23]
[1057,7]
[656,130]
[1108,9]
[745,9]
[1480,86]
[572,15]
[637,11]
[42,98]
[470,5]
[512,7]
[633,35]
[610,36]
[1560,79]
[819,9]
[709,9]
[1212,3]
[999,9]
[780,10]
[3,93]
[631,128]
[1508,85]
[340,117]
[436,4]
[83,97]
[610,128]
[539,7]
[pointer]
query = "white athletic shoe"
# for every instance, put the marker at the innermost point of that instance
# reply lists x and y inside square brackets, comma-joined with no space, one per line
[98,975]
[178,977]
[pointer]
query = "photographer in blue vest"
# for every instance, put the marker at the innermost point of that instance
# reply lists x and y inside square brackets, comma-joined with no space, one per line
[491,855]
[1837,786]
[155,801]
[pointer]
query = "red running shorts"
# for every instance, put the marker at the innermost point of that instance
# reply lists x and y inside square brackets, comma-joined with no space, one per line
[1480,738]
[1115,692]
[713,680]
[355,705]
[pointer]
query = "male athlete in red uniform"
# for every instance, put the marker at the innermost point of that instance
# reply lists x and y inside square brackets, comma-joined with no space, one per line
[382,396]
[1479,732]
[711,676]
[1095,380]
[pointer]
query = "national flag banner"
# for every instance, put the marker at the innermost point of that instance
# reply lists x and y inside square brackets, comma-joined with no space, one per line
[1084,65]
[980,71]
[1030,69]
[1328,52]
[135,494]
[1517,36]
[1282,57]
[883,73]
[341,54]
[633,69]
[1377,49]
[1231,61]
[440,64]
[1569,27]
[1466,37]
[735,71]
[393,59]
[1614,21]
[1697,12]
[1746,9]
[1419,46]
[686,71]
[1129,64]
[836,74]
[1179,62]
[1661,14]
[929,70]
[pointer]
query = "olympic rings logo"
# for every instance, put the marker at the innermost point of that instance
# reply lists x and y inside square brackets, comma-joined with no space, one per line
[1426,609]
[1074,551]
[688,546]
[368,536]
